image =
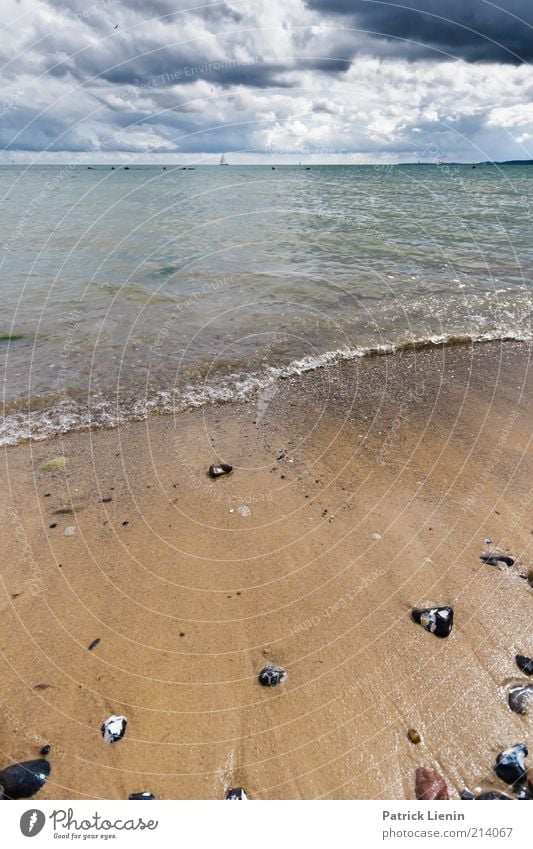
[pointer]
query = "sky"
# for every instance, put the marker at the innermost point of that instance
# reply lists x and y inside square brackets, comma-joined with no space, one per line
[350,81]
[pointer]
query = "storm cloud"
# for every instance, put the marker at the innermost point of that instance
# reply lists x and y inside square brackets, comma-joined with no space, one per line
[474,30]
[363,80]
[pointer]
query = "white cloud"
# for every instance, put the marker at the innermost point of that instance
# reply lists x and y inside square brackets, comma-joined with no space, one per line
[243,76]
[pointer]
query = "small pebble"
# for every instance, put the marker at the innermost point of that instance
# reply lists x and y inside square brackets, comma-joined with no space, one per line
[466,795]
[93,645]
[236,794]
[244,511]
[46,750]
[519,697]
[114,728]
[125,522]
[143,795]
[70,531]
[436,620]
[492,794]
[429,785]
[494,559]
[107,499]
[216,470]
[376,536]
[272,675]
[414,736]
[524,663]
[511,764]
[53,525]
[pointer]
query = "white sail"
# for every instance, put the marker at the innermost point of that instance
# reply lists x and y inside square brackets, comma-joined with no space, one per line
[223,160]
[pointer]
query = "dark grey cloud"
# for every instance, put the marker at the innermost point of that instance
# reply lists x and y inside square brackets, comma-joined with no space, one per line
[474,30]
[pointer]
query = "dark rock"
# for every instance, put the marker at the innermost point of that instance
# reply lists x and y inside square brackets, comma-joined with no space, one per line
[93,645]
[494,559]
[519,696]
[524,663]
[524,792]
[46,750]
[22,780]
[114,728]
[236,794]
[216,470]
[272,675]
[493,794]
[144,795]
[414,736]
[436,620]
[467,795]
[510,764]
[429,785]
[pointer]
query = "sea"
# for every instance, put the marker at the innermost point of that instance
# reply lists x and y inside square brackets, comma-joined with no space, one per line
[141,290]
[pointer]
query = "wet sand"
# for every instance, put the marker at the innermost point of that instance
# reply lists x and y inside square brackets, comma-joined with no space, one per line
[372,487]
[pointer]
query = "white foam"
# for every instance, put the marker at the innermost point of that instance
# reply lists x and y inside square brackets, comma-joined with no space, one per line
[233,388]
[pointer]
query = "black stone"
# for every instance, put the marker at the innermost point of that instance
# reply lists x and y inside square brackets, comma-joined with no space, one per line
[272,675]
[236,794]
[93,645]
[46,750]
[519,696]
[25,779]
[494,559]
[144,795]
[493,794]
[216,470]
[436,620]
[510,764]
[524,663]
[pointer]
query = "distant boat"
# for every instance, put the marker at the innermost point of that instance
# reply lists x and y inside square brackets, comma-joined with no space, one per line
[223,160]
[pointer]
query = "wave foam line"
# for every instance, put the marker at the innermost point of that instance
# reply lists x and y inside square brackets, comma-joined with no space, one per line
[233,388]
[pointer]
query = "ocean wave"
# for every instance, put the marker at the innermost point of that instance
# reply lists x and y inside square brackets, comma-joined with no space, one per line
[68,415]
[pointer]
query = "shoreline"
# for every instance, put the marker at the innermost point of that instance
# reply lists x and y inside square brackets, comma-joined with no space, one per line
[72,416]
[371,487]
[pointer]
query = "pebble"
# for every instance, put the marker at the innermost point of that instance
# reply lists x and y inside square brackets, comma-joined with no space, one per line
[22,780]
[493,794]
[429,785]
[436,620]
[494,559]
[114,728]
[272,675]
[467,795]
[93,645]
[519,696]
[216,470]
[523,793]
[244,511]
[485,794]
[144,795]
[46,750]
[414,736]
[70,531]
[510,764]
[524,663]
[376,536]
[236,794]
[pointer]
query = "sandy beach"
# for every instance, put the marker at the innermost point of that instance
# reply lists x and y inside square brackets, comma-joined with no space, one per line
[358,492]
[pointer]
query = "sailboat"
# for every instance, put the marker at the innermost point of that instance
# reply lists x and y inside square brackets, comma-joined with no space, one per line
[223,160]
